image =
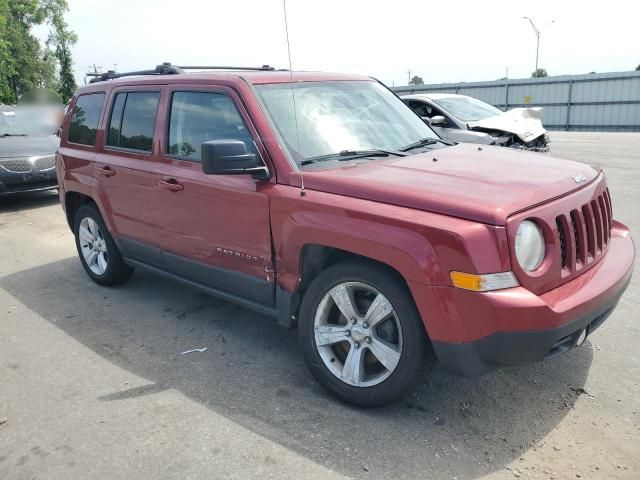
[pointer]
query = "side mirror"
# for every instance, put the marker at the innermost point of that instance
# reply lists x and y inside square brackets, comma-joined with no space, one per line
[438,121]
[231,157]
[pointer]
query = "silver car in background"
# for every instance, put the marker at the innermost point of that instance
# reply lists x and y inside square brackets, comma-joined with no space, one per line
[459,118]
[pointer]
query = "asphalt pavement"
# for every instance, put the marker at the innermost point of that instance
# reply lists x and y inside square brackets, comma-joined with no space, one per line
[93,384]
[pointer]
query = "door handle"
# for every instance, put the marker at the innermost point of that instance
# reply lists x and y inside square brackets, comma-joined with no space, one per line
[171,184]
[107,171]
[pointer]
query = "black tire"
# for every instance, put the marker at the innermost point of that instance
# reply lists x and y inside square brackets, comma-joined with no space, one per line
[416,355]
[116,271]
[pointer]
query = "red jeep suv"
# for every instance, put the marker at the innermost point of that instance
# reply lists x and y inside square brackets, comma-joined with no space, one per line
[322,200]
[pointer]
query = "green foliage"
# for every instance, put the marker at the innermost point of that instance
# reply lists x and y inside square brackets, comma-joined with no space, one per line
[24,63]
[5,91]
[539,73]
[416,80]
[60,41]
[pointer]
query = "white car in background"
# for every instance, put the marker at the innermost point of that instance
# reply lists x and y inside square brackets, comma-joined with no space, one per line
[459,118]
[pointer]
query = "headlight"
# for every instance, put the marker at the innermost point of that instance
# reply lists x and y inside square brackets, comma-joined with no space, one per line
[529,245]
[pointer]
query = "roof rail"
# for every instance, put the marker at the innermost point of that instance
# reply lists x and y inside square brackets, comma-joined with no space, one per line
[167,69]
[216,67]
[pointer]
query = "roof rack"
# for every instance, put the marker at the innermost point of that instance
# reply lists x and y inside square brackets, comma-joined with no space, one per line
[168,69]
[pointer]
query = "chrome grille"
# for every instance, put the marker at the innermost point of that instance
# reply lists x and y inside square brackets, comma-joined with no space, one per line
[16,165]
[44,163]
[584,233]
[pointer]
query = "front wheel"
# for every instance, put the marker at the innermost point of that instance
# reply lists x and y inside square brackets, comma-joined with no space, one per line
[361,334]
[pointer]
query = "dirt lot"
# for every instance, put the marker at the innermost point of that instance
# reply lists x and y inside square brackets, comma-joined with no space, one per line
[93,386]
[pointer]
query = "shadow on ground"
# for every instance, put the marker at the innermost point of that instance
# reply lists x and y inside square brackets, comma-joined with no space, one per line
[28,201]
[253,374]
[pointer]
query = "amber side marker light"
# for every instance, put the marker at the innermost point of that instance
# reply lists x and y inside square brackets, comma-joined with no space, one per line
[484,283]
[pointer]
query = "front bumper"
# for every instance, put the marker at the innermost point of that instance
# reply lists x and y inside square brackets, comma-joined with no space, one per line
[11,183]
[479,332]
[504,349]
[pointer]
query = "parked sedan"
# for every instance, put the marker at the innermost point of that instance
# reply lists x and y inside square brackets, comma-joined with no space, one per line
[460,118]
[27,152]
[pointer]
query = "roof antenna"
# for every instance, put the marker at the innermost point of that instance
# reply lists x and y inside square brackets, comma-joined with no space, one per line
[293,95]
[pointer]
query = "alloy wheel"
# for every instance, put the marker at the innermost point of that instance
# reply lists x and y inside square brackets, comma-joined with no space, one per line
[93,246]
[357,334]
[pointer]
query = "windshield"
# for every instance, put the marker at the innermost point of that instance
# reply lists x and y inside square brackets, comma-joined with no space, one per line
[467,109]
[340,116]
[29,121]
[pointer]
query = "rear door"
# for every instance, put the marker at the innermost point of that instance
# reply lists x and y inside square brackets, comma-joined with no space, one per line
[126,181]
[215,228]
[78,148]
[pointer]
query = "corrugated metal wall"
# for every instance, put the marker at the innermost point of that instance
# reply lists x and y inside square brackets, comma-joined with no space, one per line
[593,102]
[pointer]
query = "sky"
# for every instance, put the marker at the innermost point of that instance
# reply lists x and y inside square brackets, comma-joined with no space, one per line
[441,41]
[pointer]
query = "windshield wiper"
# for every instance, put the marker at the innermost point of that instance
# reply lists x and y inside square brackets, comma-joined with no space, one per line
[423,142]
[13,135]
[345,155]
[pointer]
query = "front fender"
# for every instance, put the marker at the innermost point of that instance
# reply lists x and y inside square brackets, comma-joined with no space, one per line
[404,250]
[422,247]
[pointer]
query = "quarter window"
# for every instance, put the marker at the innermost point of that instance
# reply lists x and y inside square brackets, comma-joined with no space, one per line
[133,120]
[84,122]
[197,117]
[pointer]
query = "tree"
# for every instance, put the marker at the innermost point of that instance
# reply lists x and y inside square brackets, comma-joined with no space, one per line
[539,73]
[416,80]
[638,68]
[60,41]
[5,57]
[24,63]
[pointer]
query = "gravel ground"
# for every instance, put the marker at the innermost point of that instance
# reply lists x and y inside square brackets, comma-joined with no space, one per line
[93,386]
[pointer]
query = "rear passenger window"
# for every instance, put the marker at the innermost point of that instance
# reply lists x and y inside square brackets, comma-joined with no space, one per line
[133,119]
[197,117]
[84,122]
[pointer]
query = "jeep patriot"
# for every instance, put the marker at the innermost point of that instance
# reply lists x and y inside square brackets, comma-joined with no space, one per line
[323,201]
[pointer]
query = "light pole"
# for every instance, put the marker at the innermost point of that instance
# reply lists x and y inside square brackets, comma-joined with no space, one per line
[538,34]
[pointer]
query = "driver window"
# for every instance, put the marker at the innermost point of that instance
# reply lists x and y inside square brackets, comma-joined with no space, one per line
[425,110]
[422,109]
[197,117]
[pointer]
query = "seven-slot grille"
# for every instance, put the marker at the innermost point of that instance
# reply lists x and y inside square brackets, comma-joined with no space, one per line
[584,233]
[28,164]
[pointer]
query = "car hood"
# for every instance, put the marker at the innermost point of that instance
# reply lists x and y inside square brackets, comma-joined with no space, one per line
[484,184]
[525,123]
[11,147]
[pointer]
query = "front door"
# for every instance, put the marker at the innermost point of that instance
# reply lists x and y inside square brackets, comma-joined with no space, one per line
[215,228]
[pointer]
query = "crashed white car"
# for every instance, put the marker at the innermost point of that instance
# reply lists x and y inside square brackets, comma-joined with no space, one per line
[460,118]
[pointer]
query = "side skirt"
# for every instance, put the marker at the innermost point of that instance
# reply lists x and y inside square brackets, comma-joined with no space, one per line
[265,310]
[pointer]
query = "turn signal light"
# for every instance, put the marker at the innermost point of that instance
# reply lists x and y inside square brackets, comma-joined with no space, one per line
[484,283]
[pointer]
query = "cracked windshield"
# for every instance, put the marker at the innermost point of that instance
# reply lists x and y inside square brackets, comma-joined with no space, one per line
[335,117]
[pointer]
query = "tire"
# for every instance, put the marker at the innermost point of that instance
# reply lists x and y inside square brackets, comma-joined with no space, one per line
[103,264]
[368,382]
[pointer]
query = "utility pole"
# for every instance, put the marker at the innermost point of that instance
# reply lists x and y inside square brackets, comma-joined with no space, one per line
[538,34]
[409,77]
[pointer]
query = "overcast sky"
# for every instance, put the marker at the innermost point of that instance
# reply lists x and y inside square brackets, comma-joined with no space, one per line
[441,41]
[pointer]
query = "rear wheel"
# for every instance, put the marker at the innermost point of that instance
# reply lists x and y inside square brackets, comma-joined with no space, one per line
[361,335]
[97,250]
